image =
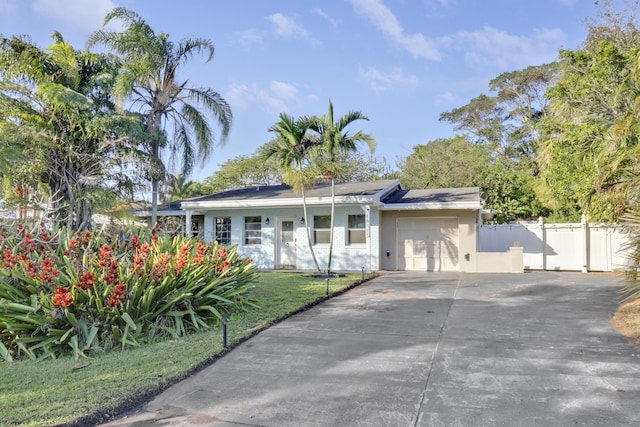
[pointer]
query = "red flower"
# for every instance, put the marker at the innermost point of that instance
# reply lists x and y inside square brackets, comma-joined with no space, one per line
[29,244]
[118,295]
[183,259]
[30,268]
[87,280]
[135,242]
[62,297]
[105,255]
[9,259]
[224,266]
[201,252]
[49,273]
[161,268]
[73,243]
[140,259]
[222,253]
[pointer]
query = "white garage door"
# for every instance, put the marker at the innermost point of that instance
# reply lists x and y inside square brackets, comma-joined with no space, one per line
[427,244]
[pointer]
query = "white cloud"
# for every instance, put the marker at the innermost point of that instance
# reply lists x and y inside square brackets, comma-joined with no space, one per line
[286,27]
[381,17]
[380,80]
[322,14]
[491,46]
[283,90]
[88,15]
[250,37]
[276,97]
[445,98]
[238,94]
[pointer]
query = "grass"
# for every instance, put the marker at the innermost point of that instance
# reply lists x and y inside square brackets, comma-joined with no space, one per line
[627,320]
[67,391]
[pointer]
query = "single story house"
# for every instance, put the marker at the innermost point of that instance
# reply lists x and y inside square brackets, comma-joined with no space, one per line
[378,225]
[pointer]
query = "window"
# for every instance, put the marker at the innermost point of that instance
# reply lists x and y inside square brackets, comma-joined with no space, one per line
[321,229]
[223,230]
[252,230]
[355,230]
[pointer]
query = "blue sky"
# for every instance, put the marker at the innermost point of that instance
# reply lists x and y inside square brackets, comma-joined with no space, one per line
[400,62]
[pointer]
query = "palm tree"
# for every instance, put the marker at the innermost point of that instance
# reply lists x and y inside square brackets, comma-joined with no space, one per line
[148,79]
[292,147]
[180,188]
[336,141]
[56,109]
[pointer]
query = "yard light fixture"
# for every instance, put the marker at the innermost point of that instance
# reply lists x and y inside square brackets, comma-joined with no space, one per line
[363,273]
[224,331]
[302,220]
[266,221]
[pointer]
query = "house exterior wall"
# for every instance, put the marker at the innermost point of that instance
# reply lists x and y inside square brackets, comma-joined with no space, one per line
[344,257]
[466,235]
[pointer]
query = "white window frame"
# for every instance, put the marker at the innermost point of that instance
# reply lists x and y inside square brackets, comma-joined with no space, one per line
[252,230]
[321,231]
[222,230]
[359,230]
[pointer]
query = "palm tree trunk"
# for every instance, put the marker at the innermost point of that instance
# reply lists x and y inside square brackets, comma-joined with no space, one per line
[333,208]
[153,127]
[306,226]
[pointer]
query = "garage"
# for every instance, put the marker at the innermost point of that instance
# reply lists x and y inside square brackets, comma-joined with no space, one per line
[430,230]
[427,244]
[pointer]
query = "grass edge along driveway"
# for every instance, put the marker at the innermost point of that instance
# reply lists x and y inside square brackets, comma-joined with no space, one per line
[66,391]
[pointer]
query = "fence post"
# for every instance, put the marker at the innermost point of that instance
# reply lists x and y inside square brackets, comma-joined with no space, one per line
[585,244]
[543,238]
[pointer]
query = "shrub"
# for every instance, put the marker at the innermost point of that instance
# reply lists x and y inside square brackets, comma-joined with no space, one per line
[91,291]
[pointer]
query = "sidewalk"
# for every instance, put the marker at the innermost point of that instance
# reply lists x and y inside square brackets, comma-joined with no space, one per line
[409,349]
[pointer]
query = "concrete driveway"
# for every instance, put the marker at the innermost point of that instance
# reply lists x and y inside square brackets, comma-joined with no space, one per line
[409,349]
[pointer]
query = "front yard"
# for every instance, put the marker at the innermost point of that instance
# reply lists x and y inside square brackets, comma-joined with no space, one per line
[87,391]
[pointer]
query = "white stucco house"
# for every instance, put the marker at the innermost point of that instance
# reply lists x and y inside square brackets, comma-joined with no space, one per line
[378,225]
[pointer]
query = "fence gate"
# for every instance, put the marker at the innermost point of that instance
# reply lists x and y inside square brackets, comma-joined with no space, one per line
[573,246]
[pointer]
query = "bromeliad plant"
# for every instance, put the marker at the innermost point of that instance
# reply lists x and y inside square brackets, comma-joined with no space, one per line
[92,291]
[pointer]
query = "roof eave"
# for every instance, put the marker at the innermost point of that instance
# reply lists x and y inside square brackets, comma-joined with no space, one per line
[431,206]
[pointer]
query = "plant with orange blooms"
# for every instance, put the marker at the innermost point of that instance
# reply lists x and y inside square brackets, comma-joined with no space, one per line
[85,292]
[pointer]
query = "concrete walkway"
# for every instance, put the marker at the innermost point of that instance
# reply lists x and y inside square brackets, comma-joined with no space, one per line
[408,349]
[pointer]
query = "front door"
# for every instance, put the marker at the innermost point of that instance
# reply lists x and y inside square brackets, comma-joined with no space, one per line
[286,242]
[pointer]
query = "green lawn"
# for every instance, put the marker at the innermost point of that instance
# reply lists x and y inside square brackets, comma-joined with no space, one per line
[63,391]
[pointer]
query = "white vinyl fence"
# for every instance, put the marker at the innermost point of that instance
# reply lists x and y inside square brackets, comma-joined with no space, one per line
[573,246]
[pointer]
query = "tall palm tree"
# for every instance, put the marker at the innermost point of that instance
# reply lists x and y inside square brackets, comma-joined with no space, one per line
[337,141]
[148,80]
[292,148]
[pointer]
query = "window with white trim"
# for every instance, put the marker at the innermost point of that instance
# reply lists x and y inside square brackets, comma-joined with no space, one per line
[252,230]
[321,229]
[223,230]
[356,230]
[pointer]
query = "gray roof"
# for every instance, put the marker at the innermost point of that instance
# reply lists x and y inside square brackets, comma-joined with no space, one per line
[437,196]
[286,192]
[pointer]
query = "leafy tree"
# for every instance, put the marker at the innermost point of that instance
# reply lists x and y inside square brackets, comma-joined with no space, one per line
[590,131]
[445,163]
[336,141]
[510,194]
[508,121]
[292,147]
[457,162]
[148,79]
[243,171]
[55,107]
